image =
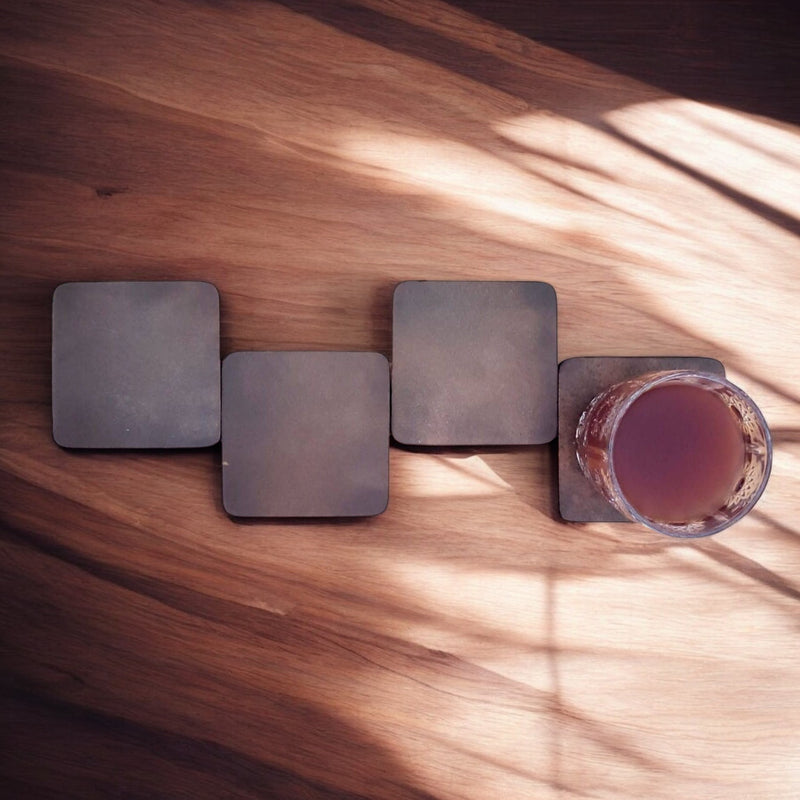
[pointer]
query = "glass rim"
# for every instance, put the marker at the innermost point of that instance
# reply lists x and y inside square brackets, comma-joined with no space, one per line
[658,378]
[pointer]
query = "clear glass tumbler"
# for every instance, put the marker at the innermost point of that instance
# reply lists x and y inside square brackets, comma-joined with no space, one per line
[629,438]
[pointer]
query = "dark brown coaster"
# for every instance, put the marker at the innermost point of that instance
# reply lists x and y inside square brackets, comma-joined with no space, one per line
[579,380]
[305,434]
[474,363]
[136,364]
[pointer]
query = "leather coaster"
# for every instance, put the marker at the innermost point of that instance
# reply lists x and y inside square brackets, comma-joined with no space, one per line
[135,364]
[305,434]
[474,363]
[579,380]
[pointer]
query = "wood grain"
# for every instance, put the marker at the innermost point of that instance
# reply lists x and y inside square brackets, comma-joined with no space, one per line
[305,157]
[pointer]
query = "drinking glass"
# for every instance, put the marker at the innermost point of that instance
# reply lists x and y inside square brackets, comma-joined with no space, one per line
[596,437]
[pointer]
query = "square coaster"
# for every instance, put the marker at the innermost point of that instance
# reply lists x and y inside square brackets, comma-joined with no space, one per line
[474,363]
[305,434]
[579,380]
[136,364]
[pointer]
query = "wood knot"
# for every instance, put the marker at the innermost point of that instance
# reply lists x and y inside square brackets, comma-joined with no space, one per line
[109,191]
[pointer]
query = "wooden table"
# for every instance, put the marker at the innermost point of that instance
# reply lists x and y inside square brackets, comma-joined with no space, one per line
[305,157]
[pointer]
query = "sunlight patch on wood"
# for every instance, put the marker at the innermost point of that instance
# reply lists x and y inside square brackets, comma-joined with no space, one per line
[496,599]
[741,151]
[434,475]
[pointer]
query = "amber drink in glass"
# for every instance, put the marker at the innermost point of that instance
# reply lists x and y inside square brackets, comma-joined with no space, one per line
[685,453]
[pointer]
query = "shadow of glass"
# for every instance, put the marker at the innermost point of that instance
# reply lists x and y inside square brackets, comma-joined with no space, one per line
[748,566]
[782,435]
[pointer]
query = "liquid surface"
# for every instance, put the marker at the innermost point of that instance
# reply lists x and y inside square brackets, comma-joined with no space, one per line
[678,453]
